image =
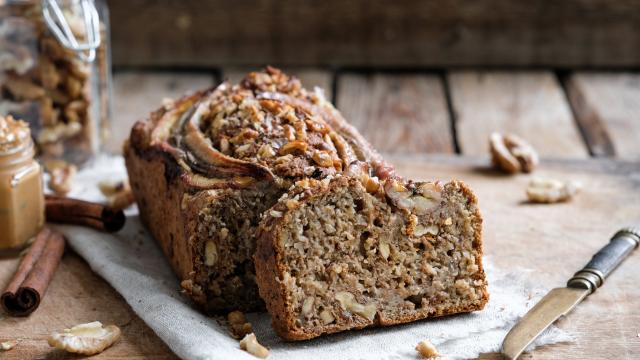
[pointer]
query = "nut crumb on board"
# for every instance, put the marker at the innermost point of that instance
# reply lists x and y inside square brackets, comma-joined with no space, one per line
[8,345]
[87,339]
[426,350]
[512,154]
[547,191]
[251,345]
[238,324]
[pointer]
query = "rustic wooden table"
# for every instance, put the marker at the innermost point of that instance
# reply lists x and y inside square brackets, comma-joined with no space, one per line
[586,126]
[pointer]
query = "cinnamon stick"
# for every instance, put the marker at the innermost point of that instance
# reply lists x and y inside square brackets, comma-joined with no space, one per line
[79,212]
[31,280]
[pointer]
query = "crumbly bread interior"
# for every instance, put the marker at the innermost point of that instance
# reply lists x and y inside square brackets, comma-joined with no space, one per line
[350,259]
[225,236]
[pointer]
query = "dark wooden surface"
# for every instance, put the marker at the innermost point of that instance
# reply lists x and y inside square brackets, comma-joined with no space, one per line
[363,33]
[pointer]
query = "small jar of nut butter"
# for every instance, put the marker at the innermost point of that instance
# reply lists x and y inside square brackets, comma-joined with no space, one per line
[21,194]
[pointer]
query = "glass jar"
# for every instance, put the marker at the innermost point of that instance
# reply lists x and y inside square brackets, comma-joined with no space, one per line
[55,74]
[21,195]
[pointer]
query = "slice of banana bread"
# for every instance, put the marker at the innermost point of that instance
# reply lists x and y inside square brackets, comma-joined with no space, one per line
[333,255]
[207,170]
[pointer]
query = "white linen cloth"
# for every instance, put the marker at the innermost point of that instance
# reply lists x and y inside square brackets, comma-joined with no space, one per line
[134,265]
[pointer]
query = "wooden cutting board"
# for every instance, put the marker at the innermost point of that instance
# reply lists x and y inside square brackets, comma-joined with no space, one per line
[551,241]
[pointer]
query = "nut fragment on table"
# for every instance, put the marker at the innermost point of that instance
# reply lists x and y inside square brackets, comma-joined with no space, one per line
[86,339]
[118,193]
[426,350]
[512,154]
[251,345]
[548,191]
[8,345]
[238,324]
[61,176]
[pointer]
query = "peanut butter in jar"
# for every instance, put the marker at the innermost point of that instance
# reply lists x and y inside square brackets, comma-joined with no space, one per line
[21,194]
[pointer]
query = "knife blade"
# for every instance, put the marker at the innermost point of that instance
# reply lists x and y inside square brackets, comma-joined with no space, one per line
[561,301]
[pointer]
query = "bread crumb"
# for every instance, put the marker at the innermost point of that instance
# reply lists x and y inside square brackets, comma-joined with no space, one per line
[238,324]
[426,350]
[251,345]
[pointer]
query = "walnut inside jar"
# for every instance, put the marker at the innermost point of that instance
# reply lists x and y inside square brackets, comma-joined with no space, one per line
[48,85]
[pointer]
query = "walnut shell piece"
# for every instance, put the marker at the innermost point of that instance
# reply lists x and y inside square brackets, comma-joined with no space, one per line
[512,154]
[87,339]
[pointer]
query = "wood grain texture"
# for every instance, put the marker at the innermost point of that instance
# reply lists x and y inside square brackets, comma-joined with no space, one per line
[529,104]
[397,113]
[380,33]
[607,106]
[77,295]
[136,94]
[309,77]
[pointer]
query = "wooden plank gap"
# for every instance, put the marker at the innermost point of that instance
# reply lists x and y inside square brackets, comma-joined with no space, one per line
[607,106]
[530,104]
[452,113]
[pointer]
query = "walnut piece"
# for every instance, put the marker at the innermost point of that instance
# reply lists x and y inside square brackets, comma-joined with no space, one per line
[61,176]
[210,253]
[8,345]
[348,302]
[307,305]
[86,339]
[238,324]
[549,191]
[423,230]
[326,317]
[426,350]
[119,194]
[251,345]
[424,199]
[512,154]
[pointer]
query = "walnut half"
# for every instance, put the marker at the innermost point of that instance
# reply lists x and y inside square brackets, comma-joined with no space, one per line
[251,345]
[86,339]
[512,154]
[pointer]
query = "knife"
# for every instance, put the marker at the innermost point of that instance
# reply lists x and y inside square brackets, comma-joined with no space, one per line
[561,301]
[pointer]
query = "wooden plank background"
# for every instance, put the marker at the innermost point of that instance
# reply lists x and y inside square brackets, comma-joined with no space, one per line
[364,33]
[572,116]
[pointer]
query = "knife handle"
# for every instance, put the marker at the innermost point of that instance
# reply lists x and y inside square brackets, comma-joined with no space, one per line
[606,260]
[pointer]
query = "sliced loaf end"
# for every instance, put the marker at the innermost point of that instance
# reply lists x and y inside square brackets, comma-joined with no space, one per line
[334,255]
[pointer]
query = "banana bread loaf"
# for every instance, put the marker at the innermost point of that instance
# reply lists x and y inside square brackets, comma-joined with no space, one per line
[267,163]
